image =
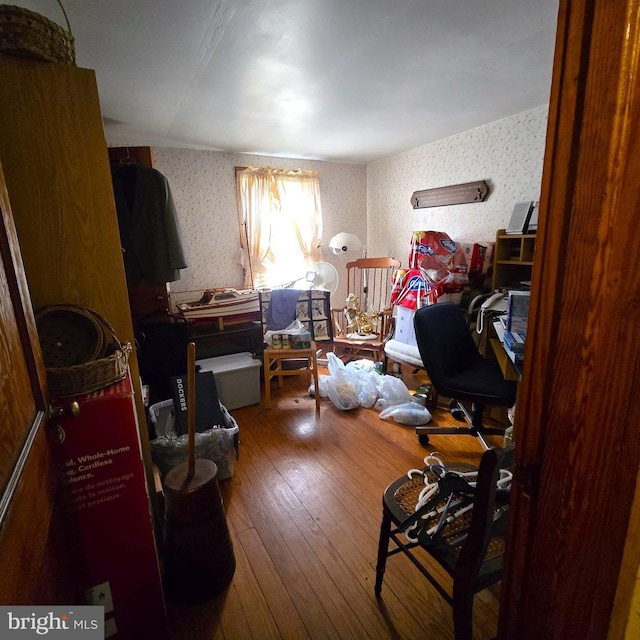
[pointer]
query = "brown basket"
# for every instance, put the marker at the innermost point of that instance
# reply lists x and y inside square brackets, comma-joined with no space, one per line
[70,335]
[28,34]
[107,365]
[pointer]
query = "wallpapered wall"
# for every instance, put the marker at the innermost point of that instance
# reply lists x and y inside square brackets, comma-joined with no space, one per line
[508,154]
[203,188]
[372,201]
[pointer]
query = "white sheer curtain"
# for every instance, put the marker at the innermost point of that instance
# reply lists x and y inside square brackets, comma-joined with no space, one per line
[280,216]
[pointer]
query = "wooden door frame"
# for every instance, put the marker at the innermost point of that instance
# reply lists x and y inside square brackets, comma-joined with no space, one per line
[26,326]
[577,452]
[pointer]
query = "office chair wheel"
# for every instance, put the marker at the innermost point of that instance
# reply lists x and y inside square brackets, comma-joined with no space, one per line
[423,439]
[456,411]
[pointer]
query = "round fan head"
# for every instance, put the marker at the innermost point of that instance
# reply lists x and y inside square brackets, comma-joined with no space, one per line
[345,243]
[323,275]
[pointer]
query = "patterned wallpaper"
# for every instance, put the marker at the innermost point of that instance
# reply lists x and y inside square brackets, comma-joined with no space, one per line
[372,201]
[203,188]
[508,154]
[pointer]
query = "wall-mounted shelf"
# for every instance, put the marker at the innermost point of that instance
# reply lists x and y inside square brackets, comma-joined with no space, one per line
[513,259]
[455,194]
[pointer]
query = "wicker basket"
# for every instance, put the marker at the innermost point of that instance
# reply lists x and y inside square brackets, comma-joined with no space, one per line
[105,359]
[28,34]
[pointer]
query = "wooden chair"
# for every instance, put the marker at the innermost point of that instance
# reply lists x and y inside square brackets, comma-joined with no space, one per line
[469,544]
[370,281]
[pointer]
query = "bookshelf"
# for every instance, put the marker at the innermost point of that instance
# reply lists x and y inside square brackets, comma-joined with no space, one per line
[513,259]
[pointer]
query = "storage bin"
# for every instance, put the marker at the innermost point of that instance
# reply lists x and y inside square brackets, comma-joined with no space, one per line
[220,445]
[237,378]
[163,417]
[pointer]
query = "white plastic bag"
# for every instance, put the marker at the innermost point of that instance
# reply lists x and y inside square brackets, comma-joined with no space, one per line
[392,391]
[361,367]
[367,376]
[323,386]
[342,384]
[294,329]
[334,364]
[367,388]
[410,413]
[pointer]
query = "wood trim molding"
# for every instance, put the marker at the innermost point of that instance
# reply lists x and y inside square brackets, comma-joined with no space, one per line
[577,455]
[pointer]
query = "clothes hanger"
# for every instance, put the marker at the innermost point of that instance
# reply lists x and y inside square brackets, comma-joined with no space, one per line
[128,159]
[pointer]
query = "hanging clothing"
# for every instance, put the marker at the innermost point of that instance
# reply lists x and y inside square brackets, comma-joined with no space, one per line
[148,221]
[282,308]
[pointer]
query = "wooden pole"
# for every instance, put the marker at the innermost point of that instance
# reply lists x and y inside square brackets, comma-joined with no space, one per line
[191,406]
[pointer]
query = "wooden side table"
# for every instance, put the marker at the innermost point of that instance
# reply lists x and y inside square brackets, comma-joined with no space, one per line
[273,359]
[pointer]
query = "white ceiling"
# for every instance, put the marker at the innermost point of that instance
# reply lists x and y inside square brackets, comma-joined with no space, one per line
[340,80]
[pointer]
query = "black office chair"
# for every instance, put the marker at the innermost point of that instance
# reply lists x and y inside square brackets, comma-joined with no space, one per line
[458,371]
[462,526]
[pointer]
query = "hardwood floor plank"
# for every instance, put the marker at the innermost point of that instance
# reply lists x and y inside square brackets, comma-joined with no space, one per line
[341,530]
[244,612]
[280,603]
[328,592]
[277,543]
[304,508]
[358,593]
[238,517]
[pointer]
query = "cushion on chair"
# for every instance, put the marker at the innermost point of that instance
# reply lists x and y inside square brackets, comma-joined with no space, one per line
[403,353]
[403,496]
[481,382]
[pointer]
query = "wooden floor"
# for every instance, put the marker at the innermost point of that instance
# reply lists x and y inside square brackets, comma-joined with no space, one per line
[304,509]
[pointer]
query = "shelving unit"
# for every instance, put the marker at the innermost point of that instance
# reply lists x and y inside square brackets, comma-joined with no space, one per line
[513,259]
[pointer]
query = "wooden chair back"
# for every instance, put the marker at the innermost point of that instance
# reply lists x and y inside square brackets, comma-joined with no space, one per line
[370,280]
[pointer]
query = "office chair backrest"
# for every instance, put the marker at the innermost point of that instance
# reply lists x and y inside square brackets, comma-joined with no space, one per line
[444,341]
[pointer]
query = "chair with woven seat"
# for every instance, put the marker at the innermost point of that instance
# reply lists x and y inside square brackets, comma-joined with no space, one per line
[461,525]
[369,282]
[458,371]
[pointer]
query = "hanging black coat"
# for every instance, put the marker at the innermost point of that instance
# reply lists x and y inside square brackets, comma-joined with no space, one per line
[149,229]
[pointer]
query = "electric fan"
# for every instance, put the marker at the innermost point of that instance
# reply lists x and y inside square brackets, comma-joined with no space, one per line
[323,275]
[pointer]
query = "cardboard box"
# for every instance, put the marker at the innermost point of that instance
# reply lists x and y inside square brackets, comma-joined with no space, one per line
[106,486]
[405,331]
[237,378]
[300,341]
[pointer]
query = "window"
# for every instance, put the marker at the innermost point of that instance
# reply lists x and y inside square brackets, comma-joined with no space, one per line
[280,222]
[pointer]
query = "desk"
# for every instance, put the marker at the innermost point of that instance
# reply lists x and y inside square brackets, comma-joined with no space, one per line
[510,369]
